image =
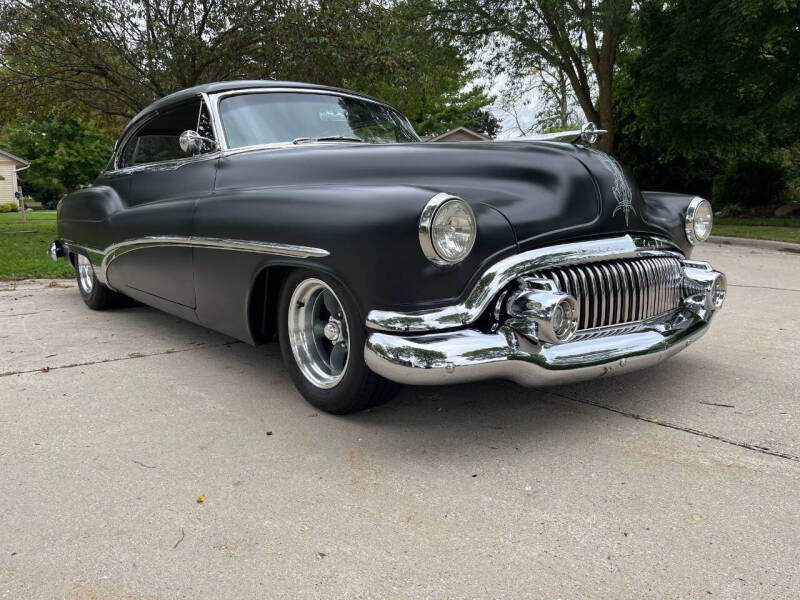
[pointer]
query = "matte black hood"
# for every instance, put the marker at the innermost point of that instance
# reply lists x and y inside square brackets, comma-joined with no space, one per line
[545,190]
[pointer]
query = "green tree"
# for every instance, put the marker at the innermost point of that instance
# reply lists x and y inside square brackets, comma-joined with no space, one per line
[110,58]
[437,115]
[718,78]
[64,155]
[580,38]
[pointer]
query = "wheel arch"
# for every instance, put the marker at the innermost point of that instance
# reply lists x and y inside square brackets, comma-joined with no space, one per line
[264,297]
[262,306]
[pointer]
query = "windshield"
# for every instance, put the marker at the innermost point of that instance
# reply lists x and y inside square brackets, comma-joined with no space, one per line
[275,117]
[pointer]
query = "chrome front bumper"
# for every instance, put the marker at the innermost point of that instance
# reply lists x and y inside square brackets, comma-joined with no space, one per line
[454,345]
[471,355]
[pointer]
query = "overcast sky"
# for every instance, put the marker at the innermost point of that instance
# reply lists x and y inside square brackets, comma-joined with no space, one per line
[526,113]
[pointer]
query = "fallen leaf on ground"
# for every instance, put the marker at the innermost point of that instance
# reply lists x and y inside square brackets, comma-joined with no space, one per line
[201,498]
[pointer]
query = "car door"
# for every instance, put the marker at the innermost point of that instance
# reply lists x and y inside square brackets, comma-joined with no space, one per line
[152,258]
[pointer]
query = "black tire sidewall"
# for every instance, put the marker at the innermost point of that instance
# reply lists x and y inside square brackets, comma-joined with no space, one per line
[100,297]
[345,396]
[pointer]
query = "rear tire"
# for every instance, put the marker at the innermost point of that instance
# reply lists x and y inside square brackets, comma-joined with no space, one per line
[95,294]
[322,339]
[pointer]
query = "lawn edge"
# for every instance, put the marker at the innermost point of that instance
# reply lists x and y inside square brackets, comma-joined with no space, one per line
[755,243]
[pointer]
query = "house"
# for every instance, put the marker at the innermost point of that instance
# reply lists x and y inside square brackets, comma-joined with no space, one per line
[10,165]
[459,134]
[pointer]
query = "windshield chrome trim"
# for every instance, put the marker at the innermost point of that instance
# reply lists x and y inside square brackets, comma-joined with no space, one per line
[223,139]
[500,274]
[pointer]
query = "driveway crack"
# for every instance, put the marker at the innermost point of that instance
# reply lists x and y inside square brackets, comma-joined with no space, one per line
[131,356]
[667,424]
[763,287]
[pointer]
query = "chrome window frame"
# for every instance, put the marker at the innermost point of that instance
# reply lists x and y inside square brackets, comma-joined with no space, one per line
[163,165]
[222,138]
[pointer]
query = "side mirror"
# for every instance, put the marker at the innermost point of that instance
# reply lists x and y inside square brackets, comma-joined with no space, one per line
[193,143]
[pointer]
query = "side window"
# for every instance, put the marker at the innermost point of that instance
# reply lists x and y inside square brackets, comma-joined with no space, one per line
[158,139]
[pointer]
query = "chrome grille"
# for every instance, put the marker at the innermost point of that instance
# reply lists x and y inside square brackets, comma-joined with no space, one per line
[620,291]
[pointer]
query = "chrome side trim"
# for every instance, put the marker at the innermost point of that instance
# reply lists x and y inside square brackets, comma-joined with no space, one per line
[102,259]
[500,274]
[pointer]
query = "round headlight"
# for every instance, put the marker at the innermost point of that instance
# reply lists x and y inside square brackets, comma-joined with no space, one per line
[699,218]
[447,229]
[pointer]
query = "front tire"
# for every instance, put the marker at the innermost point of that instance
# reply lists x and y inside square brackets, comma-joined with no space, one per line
[322,343]
[94,294]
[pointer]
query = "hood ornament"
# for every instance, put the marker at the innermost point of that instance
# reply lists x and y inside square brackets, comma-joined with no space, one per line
[590,133]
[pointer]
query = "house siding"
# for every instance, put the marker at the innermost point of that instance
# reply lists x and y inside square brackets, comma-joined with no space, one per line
[8,185]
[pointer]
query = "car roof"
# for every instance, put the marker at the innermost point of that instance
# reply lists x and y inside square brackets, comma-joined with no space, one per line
[227,86]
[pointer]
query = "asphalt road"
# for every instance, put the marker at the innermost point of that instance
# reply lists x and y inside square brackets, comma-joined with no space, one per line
[678,482]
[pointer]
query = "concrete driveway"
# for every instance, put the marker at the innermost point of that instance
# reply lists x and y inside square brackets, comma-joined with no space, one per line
[678,482]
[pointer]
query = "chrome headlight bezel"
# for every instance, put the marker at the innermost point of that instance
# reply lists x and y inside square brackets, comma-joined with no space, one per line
[426,229]
[691,215]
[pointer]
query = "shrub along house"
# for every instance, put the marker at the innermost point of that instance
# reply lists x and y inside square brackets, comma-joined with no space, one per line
[10,165]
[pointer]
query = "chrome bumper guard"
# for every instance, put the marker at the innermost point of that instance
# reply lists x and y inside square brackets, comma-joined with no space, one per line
[55,250]
[512,350]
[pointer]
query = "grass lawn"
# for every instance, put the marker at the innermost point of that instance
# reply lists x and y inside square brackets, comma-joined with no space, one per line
[23,247]
[39,215]
[779,229]
[760,221]
[759,232]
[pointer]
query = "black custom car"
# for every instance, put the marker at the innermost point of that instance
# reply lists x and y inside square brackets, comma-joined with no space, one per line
[269,209]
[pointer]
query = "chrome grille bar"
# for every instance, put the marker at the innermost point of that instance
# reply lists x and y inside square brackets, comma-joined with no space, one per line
[620,291]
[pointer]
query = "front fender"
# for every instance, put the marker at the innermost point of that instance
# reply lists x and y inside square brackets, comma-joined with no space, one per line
[666,212]
[370,232]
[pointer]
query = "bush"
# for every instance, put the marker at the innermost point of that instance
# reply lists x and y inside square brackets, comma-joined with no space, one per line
[749,184]
[7,207]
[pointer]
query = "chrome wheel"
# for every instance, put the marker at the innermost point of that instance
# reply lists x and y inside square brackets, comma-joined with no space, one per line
[318,333]
[85,274]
